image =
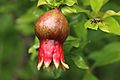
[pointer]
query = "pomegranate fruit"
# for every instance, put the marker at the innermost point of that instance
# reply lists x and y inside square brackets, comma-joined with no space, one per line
[51,29]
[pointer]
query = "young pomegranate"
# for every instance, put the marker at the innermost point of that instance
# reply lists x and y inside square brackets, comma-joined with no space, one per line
[51,29]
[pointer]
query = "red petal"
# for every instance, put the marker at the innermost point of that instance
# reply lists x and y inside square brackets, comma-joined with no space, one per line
[56,54]
[40,57]
[48,48]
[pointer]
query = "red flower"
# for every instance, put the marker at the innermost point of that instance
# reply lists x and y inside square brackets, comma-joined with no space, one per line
[51,29]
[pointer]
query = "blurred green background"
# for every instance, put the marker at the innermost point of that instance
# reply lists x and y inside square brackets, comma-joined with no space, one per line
[17,18]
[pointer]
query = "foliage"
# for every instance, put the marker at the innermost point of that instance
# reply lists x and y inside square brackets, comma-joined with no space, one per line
[91,50]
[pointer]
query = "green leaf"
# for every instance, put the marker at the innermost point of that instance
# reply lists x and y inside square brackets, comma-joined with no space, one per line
[72,9]
[111,13]
[33,49]
[52,3]
[109,54]
[111,26]
[97,4]
[67,47]
[74,42]
[89,76]
[90,25]
[79,61]
[35,46]
[70,43]
[41,2]
[70,2]
[55,3]
[70,38]
[68,10]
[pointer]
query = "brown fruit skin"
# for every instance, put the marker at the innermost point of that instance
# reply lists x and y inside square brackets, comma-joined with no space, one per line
[52,25]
